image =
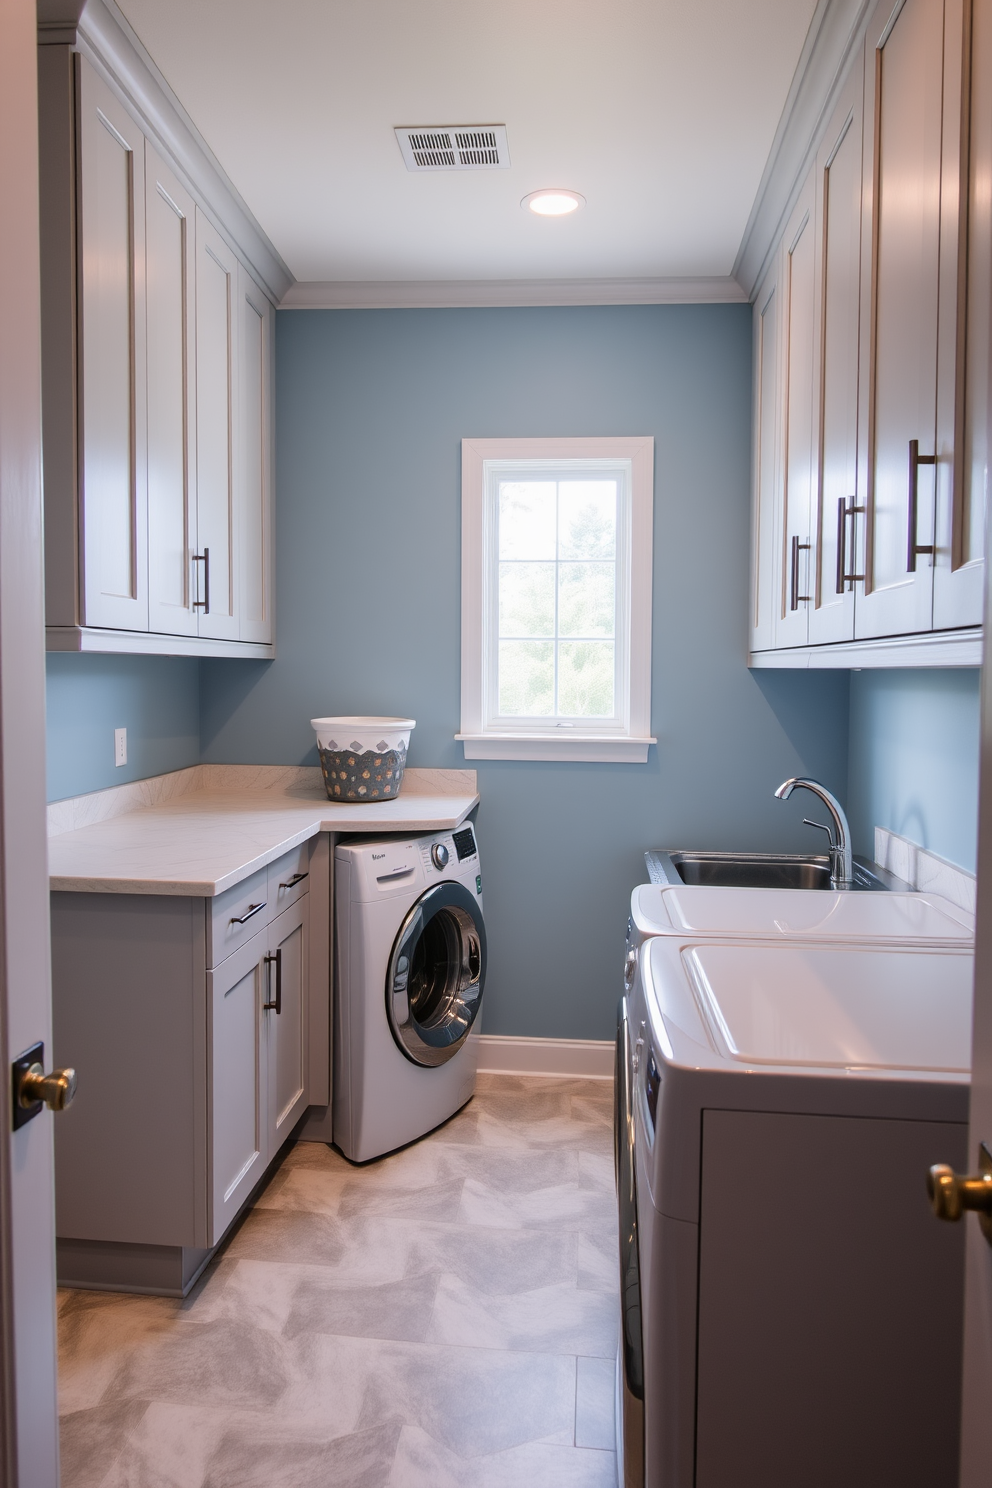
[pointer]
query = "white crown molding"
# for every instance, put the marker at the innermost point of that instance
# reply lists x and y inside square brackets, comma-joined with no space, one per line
[834,37]
[107,40]
[433,294]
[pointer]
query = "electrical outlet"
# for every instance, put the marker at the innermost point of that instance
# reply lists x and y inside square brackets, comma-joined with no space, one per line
[120,746]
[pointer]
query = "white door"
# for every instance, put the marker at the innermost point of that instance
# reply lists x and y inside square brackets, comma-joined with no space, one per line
[171,342]
[28,1424]
[112,355]
[253,505]
[978,1275]
[767,473]
[286,981]
[838,521]
[903,104]
[796,555]
[216,558]
[959,579]
[236,1085]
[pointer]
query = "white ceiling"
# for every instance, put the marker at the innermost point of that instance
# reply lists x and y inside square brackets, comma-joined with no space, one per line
[660,112]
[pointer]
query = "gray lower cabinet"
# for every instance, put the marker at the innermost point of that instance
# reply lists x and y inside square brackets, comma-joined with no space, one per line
[194,1067]
[257,1057]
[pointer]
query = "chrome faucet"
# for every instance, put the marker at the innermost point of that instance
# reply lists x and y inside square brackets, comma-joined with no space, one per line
[841,870]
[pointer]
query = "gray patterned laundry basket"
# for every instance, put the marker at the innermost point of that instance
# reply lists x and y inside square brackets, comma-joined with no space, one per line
[362,759]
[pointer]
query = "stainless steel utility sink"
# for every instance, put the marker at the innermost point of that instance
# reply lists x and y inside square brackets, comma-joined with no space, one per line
[740,870]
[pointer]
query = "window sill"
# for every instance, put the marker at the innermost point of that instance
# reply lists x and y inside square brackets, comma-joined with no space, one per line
[589,748]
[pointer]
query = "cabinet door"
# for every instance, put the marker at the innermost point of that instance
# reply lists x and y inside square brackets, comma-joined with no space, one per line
[903,106]
[765,500]
[216,432]
[285,1013]
[254,484]
[112,490]
[236,1119]
[169,240]
[796,543]
[962,491]
[838,521]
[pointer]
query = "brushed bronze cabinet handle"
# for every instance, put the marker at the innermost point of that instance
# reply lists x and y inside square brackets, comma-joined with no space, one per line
[204,603]
[275,1005]
[913,547]
[794,596]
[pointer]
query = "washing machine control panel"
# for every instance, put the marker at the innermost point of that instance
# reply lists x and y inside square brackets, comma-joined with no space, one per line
[448,849]
[437,853]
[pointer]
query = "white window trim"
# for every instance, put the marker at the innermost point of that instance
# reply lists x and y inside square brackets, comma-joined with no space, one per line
[631,741]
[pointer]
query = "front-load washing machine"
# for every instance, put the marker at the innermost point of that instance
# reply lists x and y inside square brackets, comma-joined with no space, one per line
[410,968]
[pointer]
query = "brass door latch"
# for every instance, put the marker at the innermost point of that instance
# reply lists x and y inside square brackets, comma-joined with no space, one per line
[951,1194]
[32,1088]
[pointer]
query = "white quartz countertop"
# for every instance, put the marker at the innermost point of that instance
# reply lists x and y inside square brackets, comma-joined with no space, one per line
[206,840]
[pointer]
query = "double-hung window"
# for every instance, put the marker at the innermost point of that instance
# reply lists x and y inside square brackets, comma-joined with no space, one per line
[556,598]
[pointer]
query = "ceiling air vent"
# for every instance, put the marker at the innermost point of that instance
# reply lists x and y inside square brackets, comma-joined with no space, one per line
[454,147]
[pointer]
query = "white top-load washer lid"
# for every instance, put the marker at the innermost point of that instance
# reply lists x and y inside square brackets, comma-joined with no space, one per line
[840,1007]
[659,909]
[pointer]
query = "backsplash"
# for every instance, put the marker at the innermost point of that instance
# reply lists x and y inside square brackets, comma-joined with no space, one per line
[925,870]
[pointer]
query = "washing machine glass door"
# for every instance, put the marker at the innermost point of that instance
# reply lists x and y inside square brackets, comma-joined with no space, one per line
[436,974]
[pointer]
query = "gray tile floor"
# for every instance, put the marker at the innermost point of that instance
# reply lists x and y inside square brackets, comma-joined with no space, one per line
[444,1317]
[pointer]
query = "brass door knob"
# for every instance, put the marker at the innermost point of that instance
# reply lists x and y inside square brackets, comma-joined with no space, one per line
[951,1194]
[55,1090]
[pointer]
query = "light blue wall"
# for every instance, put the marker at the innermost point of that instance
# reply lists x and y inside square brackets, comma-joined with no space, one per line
[371,408]
[156,698]
[914,759]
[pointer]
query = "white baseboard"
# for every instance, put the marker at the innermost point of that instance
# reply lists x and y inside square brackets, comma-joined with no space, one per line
[581,1059]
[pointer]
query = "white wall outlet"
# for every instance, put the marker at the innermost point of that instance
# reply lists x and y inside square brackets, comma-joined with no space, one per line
[120,746]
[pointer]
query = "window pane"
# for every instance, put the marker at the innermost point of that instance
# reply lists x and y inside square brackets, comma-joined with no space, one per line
[586,603]
[587,519]
[527,679]
[585,679]
[527,599]
[527,519]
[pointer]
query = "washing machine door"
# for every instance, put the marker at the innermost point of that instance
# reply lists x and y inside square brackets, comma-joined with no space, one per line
[436,973]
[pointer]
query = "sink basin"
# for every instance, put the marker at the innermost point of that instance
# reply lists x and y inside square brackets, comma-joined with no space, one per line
[740,870]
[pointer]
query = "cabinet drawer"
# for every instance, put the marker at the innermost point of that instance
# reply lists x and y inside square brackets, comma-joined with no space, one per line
[234,916]
[289,877]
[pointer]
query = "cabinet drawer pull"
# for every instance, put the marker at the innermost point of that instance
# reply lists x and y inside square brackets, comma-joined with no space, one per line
[913,547]
[250,912]
[204,603]
[843,512]
[276,1004]
[794,596]
[292,882]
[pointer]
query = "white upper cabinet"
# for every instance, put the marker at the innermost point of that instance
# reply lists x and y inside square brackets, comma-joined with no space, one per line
[171,340]
[216,432]
[157,388]
[766,369]
[795,558]
[903,98]
[884,271]
[958,580]
[839,513]
[111,348]
[257,339]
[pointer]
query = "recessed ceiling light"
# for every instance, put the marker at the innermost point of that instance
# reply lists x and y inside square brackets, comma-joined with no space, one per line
[554,202]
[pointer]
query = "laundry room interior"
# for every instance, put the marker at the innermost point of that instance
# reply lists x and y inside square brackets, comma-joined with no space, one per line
[427,1012]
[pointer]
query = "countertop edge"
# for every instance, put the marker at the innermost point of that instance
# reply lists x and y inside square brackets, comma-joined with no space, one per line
[200,888]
